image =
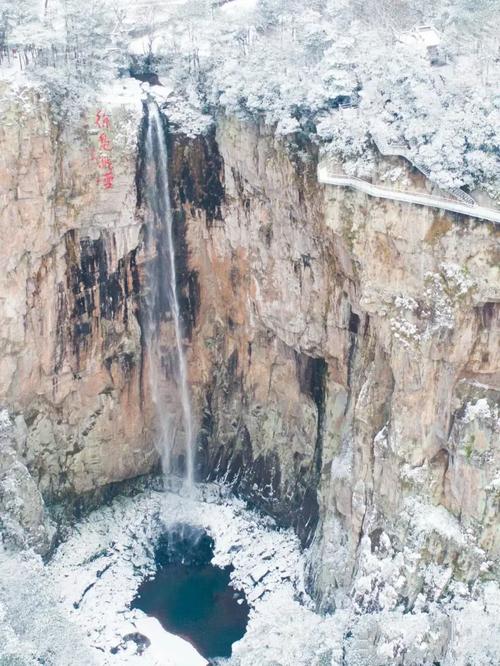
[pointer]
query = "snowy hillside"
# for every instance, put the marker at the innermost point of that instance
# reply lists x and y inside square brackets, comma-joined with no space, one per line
[336,70]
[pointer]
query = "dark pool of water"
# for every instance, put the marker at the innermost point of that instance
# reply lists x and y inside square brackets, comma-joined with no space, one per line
[192,598]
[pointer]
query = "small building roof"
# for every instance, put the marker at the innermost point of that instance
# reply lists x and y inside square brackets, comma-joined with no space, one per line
[422,35]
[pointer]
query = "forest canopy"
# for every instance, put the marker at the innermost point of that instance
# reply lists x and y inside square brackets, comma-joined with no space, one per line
[341,72]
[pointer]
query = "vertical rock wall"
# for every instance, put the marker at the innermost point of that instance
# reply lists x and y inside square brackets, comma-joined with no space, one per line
[343,356]
[70,347]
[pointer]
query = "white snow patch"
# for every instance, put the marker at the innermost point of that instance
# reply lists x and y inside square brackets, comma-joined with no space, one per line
[480,411]
[163,643]
[428,518]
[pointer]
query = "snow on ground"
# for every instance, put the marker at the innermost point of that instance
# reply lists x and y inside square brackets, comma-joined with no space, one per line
[97,570]
[127,92]
[76,609]
[165,646]
[34,629]
[237,8]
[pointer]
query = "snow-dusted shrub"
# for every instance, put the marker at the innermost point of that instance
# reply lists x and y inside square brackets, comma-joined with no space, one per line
[480,411]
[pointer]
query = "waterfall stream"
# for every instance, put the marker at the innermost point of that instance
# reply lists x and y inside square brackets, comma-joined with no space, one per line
[162,291]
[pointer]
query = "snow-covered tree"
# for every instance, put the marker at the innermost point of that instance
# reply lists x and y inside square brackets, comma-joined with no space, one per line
[293,65]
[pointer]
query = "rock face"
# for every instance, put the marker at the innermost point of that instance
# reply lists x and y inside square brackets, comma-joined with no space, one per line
[258,370]
[343,350]
[343,357]
[23,519]
[70,348]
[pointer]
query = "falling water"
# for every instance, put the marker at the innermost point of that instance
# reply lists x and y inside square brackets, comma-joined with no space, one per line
[162,289]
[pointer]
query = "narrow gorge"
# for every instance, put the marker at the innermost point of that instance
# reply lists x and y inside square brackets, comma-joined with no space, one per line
[194,331]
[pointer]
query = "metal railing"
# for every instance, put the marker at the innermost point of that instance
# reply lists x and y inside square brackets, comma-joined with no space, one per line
[390,149]
[338,178]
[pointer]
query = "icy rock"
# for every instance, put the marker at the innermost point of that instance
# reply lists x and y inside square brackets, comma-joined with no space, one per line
[94,584]
[258,573]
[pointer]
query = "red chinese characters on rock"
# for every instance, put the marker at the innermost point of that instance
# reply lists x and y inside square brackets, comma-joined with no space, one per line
[104,163]
[102,156]
[102,119]
[104,142]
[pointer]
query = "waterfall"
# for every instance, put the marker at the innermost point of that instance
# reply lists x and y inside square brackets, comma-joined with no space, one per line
[162,292]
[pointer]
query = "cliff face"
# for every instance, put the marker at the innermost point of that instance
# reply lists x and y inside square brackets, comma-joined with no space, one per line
[342,349]
[70,350]
[343,357]
[259,341]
